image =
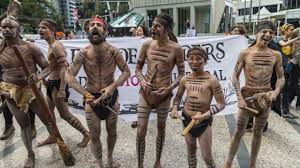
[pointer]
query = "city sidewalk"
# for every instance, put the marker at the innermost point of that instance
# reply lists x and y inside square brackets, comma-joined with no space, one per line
[280,145]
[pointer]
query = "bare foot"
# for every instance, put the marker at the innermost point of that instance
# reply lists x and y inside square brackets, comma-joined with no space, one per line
[157,164]
[227,165]
[99,164]
[84,141]
[113,164]
[49,140]
[30,161]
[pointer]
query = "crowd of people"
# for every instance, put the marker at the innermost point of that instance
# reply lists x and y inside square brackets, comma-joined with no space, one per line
[271,73]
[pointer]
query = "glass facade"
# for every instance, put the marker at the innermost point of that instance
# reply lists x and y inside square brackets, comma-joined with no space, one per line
[291,4]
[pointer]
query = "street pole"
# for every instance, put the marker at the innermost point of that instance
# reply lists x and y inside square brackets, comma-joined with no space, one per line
[258,11]
[250,15]
[244,19]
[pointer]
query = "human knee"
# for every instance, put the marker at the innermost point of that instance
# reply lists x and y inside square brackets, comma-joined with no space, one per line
[141,133]
[94,138]
[239,132]
[257,131]
[112,134]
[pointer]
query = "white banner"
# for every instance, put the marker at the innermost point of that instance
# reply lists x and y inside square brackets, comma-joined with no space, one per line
[222,52]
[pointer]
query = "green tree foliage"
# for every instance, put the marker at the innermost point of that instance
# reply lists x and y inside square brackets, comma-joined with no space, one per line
[32,12]
[124,8]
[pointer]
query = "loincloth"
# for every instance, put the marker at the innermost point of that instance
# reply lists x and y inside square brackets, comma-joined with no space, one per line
[152,100]
[22,96]
[249,92]
[56,83]
[198,129]
[100,110]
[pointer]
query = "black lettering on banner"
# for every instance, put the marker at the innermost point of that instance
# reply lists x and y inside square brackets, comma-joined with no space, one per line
[129,54]
[124,52]
[220,55]
[132,54]
[73,50]
[210,49]
[219,75]
[82,81]
[185,49]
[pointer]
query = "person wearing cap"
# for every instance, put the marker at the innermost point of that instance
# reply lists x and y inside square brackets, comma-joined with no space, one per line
[258,63]
[100,60]
[57,88]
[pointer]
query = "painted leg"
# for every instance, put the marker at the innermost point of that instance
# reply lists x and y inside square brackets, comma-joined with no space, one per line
[242,120]
[50,139]
[162,114]
[142,124]
[94,124]
[63,110]
[191,144]
[205,142]
[23,120]
[111,128]
[259,124]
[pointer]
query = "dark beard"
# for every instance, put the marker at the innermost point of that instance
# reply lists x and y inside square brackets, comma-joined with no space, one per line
[96,41]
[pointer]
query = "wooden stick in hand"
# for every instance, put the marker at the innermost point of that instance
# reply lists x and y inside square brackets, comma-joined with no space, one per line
[252,110]
[188,127]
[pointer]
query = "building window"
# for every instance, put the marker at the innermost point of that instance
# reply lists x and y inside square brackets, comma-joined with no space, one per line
[168,11]
[244,12]
[151,14]
[272,8]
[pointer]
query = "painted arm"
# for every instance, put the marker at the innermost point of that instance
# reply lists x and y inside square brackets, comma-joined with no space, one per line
[73,71]
[140,63]
[177,99]
[41,62]
[236,75]
[280,76]
[180,67]
[60,54]
[122,65]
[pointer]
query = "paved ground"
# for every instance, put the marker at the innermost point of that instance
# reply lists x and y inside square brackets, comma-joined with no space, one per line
[280,145]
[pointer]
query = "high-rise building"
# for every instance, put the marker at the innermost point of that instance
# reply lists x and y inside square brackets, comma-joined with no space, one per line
[65,8]
[206,16]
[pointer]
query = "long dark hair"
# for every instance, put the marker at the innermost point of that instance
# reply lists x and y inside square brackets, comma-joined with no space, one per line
[168,24]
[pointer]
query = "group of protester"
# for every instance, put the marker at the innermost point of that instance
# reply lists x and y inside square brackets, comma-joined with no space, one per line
[20,89]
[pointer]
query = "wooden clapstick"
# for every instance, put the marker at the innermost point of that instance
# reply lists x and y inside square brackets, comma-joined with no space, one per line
[188,127]
[252,110]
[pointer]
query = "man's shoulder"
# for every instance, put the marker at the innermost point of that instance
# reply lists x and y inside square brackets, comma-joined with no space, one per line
[84,50]
[112,48]
[246,51]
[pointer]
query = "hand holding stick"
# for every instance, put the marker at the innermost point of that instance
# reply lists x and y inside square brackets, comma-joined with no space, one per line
[65,153]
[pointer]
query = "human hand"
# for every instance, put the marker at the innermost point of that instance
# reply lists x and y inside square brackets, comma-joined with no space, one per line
[132,30]
[89,98]
[199,117]
[32,79]
[242,104]
[108,91]
[146,85]
[162,91]
[174,113]
[61,94]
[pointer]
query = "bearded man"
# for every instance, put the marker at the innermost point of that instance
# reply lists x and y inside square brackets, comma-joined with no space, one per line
[99,61]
